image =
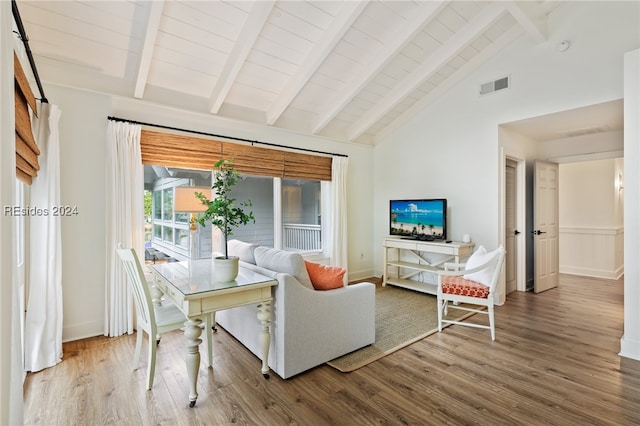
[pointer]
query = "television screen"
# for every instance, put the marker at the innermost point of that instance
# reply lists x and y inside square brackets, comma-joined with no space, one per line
[420,219]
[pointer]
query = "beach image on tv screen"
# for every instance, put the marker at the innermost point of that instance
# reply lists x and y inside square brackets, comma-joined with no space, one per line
[415,218]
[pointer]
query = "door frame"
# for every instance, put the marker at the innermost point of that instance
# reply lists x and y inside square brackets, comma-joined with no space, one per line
[521,255]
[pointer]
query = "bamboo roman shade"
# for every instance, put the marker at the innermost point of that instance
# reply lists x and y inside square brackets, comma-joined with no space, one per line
[163,149]
[26,148]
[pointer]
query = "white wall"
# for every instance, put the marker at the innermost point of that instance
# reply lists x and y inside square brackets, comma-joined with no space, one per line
[630,342]
[451,149]
[83,136]
[583,148]
[10,352]
[83,129]
[591,228]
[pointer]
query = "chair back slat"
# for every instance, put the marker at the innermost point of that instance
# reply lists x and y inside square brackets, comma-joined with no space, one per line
[141,293]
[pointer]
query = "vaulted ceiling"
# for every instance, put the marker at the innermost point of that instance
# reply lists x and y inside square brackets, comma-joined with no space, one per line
[351,70]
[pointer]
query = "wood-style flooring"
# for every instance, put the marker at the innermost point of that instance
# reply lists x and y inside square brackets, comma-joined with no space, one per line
[554,362]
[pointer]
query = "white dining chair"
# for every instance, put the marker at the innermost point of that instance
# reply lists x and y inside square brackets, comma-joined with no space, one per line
[154,319]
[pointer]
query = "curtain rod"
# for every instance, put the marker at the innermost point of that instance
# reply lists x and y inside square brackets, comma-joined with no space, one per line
[252,142]
[25,41]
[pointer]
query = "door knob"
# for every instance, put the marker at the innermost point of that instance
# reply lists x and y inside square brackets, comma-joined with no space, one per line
[516,232]
[537,232]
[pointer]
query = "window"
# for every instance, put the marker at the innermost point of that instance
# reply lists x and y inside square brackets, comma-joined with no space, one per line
[289,190]
[288,213]
[169,231]
[301,215]
[290,220]
[167,203]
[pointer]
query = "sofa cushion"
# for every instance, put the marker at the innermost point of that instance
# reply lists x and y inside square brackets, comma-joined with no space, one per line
[243,250]
[283,261]
[325,277]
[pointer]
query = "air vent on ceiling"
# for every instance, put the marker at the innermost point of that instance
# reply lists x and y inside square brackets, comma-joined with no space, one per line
[494,86]
[584,131]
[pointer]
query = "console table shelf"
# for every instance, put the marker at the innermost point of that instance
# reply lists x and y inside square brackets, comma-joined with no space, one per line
[398,270]
[411,265]
[412,285]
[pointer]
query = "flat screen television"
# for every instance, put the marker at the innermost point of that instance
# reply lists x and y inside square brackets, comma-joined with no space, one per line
[420,219]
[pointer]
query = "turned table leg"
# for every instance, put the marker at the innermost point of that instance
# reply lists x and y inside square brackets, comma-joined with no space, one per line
[264,320]
[192,333]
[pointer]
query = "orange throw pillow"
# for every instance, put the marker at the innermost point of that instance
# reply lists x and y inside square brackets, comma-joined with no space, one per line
[325,277]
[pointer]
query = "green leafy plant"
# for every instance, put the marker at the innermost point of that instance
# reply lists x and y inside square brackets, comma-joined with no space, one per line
[223,212]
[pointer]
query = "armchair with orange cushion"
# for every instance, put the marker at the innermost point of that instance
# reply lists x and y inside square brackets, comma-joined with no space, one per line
[473,285]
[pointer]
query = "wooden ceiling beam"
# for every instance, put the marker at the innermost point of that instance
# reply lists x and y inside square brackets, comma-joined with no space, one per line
[242,47]
[422,17]
[340,25]
[500,43]
[151,33]
[430,66]
[531,17]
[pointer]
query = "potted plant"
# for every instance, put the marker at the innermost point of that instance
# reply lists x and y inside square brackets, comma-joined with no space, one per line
[223,213]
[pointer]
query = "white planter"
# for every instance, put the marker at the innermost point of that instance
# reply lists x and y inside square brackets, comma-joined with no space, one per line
[225,270]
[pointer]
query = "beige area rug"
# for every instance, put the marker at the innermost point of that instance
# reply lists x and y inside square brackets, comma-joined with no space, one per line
[402,318]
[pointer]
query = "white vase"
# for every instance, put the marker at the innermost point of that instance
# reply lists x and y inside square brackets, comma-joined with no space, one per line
[225,270]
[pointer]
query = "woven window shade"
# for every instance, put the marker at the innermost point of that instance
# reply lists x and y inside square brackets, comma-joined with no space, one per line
[26,148]
[305,166]
[252,160]
[163,149]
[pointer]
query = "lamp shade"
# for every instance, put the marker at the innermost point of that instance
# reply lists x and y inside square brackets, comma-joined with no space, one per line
[185,199]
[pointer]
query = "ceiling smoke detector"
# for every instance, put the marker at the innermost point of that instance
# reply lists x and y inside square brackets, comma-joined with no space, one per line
[563,46]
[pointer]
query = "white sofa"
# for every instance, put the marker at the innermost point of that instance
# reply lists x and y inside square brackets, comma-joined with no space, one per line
[308,327]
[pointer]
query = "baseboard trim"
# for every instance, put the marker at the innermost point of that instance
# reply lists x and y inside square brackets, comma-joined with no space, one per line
[629,348]
[361,275]
[594,273]
[82,330]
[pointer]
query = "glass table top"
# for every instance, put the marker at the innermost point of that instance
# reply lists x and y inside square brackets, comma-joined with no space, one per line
[196,276]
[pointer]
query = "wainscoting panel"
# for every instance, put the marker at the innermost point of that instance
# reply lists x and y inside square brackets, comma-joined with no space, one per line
[593,252]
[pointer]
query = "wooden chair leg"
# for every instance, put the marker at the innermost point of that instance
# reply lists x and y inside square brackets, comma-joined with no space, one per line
[440,307]
[136,354]
[492,323]
[151,365]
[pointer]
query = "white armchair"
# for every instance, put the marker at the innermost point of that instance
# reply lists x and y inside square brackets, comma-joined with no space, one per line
[473,285]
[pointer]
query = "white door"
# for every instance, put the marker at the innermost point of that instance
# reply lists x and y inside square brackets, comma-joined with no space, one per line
[545,226]
[511,230]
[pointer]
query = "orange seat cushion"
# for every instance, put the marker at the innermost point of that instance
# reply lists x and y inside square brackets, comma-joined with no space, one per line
[462,287]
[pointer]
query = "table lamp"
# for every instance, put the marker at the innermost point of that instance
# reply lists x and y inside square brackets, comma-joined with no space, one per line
[186,202]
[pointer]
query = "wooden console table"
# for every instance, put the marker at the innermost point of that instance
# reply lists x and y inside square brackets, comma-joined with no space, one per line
[398,270]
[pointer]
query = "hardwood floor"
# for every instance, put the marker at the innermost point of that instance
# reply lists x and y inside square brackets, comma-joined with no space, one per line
[554,362]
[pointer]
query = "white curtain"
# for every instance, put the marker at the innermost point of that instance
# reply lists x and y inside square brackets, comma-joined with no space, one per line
[43,320]
[339,212]
[125,221]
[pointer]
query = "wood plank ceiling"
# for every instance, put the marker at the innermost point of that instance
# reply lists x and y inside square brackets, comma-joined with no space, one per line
[349,70]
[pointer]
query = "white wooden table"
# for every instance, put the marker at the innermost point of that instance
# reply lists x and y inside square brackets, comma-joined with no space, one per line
[191,286]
